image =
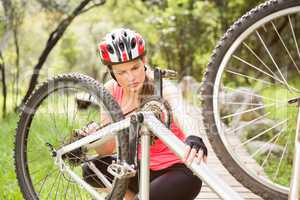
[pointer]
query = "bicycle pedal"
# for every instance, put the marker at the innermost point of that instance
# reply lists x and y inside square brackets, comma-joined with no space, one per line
[122,170]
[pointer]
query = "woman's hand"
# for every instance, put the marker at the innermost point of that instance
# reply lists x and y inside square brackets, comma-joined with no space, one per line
[195,149]
[88,129]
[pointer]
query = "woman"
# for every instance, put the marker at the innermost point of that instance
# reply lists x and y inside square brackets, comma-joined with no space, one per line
[123,51]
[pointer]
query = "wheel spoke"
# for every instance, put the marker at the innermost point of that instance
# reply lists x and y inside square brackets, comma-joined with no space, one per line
[247,111]
[57,188]
[243,103]
[258,69]
[281,158]
[260,60]
[79,191]
[75,112]
[43,180]
[41,166]
[249,77]
[263,132]
[269,152]
[73,192]
[52,117]
[283,43]
[248,123]
[294,37]
[267,143]
[66,190]
[274,62]
[255,95]
[67,110]
[50,192]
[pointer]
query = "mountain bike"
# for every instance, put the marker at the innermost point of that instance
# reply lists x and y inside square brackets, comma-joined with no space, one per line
[256,58]
[250,99]
[48,159]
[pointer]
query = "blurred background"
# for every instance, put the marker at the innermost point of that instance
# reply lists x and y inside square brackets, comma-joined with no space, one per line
[41,38]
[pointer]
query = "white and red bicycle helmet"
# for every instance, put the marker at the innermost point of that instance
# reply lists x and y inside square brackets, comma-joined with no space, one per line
[120,46]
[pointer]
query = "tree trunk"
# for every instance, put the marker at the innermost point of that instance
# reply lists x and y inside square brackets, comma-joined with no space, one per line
[4,86]
[17,62]
[222,5]
[7,6]
[52,41]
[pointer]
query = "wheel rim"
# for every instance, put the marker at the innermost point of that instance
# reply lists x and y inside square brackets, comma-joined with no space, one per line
[57,116]
[239,46]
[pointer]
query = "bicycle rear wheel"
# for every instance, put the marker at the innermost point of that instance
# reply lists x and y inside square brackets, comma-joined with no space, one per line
[54,110]
[253,73]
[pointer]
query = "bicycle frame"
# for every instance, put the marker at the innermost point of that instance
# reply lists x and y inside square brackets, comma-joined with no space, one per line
[153,124]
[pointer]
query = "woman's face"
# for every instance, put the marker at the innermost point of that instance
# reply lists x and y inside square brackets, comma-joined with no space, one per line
[130,75]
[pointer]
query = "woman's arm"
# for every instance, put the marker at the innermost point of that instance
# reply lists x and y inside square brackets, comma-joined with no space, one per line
[109,147]
[195,147]
[182,118]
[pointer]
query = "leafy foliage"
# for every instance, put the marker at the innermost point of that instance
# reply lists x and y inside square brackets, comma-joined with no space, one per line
[180,34]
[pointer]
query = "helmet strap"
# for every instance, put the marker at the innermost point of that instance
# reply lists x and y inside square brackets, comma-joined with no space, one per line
[112,73]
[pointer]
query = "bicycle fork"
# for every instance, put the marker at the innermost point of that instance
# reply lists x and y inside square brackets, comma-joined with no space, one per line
[295,182]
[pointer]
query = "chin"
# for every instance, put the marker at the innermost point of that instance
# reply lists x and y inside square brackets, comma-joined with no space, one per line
[137,88]
[134,89]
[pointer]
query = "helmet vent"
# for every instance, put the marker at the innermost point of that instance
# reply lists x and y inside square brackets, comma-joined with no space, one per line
[133,43]
[121,45]
[110,49]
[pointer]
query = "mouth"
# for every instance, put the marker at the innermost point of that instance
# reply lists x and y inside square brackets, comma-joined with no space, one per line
[134,84]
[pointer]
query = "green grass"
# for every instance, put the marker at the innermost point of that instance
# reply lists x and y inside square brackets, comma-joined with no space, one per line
[43,129]
[279,112]
[9,188]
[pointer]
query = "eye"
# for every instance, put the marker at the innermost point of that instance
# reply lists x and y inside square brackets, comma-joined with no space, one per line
[135,68]
[120,73]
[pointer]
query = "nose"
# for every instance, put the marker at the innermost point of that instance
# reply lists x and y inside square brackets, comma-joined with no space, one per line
[130,76]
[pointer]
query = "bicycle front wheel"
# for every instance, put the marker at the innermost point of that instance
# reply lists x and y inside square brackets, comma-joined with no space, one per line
[50,116]
[251,78]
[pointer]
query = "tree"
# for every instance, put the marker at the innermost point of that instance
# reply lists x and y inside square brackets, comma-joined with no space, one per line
[54,37]
[4,86]
[13,15]
[8,24]
[186,32]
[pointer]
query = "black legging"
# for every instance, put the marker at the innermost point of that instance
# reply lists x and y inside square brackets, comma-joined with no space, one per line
[173,183]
